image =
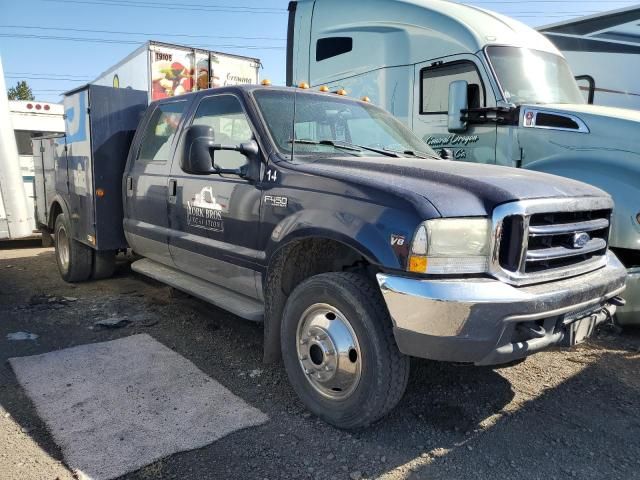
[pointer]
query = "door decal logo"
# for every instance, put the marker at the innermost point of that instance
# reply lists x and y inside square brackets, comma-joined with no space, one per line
[204,211]
[451,140]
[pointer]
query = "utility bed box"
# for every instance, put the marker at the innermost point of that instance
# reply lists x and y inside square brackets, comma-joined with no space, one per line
[86,164]
[165,70]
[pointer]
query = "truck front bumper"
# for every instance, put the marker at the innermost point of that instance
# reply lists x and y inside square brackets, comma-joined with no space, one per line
[488,322]
[630,313]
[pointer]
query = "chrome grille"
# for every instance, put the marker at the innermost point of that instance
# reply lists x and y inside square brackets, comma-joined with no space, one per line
[540,240]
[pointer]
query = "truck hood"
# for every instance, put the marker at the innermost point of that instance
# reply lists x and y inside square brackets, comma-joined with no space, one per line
[455,189]
[610,129]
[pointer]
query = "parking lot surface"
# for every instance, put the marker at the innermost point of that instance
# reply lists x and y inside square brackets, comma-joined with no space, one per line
[560,414]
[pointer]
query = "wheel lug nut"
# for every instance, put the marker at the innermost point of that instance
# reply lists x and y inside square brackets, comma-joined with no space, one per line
[304,341]
[304,357]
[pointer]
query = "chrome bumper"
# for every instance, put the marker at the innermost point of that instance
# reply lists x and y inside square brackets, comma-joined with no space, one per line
[630,313]
[486,321]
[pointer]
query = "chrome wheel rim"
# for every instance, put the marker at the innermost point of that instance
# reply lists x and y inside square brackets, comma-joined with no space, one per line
[328,351]
[62,248]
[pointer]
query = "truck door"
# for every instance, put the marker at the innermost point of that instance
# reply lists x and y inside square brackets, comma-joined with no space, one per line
[214,218]
[431,103]
[146,221]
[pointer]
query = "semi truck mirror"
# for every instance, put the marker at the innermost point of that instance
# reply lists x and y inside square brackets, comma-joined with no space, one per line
[199,142]
[587,83]
[458,101]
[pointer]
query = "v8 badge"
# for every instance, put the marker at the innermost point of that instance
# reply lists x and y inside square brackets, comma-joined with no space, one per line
[397,240]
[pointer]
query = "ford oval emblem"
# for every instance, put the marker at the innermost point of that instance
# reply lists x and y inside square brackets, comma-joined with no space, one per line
[580,239]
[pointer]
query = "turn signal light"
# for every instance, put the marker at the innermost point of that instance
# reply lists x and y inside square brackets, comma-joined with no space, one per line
[304,85]
[266,82]
[417,264]
[100,192]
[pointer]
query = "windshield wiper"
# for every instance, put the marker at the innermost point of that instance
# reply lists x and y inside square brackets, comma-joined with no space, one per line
[354,146]
[413,153]
[346,146]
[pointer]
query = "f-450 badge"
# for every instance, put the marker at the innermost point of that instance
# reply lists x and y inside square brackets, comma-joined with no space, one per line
[276,201]
[204,211]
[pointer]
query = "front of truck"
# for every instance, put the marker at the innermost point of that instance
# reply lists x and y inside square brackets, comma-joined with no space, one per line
[476,263]
[557,132]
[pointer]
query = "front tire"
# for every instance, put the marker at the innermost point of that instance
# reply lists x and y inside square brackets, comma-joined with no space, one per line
[339,351]
[74,259]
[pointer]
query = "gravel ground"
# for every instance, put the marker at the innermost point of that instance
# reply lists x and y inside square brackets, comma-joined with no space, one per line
[560,414]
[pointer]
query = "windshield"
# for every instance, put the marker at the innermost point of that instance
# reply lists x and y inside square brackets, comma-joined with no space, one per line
[531,76]
[326,124]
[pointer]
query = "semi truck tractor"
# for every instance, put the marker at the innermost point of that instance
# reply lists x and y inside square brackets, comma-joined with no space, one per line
[329,221]
[478,87]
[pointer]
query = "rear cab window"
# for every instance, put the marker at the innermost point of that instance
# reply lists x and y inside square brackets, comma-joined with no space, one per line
[160,132]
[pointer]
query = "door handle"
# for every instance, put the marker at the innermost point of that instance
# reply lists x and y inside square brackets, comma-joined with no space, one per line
[129,184]
[173,191]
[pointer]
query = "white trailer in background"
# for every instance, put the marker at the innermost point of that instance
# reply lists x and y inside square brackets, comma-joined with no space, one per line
[605,47]
[30,120]
[164,70]
[19,123]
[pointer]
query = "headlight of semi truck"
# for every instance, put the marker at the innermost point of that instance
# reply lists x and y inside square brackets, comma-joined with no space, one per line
[450,246]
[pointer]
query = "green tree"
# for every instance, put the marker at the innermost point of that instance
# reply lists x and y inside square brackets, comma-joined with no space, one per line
[21,91]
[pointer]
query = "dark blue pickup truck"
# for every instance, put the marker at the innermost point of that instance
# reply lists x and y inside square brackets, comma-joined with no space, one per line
[326,219]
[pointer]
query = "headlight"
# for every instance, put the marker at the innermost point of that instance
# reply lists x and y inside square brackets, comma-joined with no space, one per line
[451,245]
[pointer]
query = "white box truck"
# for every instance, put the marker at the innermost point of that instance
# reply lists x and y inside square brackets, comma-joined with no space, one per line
[165,70]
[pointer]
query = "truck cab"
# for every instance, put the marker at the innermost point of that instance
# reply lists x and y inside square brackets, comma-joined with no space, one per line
[477,87]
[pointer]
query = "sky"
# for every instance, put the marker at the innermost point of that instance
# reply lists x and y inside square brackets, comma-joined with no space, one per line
[56,45]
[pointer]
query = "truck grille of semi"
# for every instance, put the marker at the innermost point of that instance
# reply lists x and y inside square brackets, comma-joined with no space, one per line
[547,245]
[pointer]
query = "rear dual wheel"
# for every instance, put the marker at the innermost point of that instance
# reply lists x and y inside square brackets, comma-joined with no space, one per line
[78,262]
[339,351]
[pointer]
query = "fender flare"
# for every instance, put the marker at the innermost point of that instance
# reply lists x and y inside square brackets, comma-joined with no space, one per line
[354,232]
[63,206]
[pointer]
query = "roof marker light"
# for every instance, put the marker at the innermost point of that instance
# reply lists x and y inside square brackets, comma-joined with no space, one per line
[366,99]
[303,85]
[266,82]
[38,106]
[47,107]
[342,92]
[324,88]
[29,106]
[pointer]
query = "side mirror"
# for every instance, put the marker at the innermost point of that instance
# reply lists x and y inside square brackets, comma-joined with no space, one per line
[590,87]
[196,153]
[458,101]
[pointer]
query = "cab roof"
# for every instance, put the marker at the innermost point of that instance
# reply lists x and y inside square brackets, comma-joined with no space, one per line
[410,27]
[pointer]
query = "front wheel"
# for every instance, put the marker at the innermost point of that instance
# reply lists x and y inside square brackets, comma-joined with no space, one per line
[73,258]
[339,351]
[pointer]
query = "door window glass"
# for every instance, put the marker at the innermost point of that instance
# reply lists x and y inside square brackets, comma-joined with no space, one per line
[224,114]
[435,86]
[160,132]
